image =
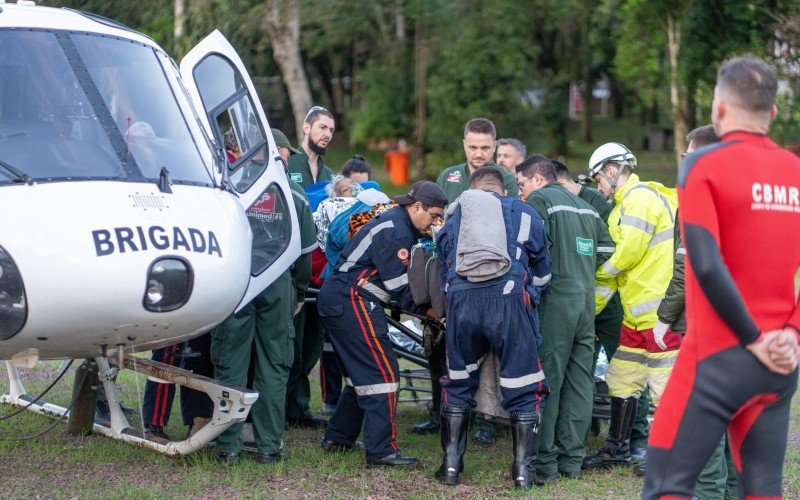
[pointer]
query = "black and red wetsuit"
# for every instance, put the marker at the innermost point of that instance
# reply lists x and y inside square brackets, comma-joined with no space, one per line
[740,215]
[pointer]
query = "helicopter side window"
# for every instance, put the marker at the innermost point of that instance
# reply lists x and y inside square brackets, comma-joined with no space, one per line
[234,119]
[271,225]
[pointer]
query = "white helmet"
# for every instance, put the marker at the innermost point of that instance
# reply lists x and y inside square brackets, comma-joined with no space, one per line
[610,152]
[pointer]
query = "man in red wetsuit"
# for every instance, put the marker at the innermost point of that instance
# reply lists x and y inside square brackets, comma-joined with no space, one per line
[740,216]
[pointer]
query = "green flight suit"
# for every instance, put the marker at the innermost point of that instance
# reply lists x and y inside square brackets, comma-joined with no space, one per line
[579,242]
[607,325]
[455,180]
[263,332]
[265,326]
[308,340]
[300,170]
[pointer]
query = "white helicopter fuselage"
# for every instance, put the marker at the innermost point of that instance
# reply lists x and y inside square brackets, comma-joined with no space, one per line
[84,288]
[109,164]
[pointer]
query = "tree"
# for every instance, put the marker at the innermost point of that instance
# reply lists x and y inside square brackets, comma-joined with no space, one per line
[283,23]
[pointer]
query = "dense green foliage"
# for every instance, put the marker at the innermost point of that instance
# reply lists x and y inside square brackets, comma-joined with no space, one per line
[511,61]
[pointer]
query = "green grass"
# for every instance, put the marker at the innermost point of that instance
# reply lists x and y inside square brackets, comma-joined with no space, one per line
[58,465]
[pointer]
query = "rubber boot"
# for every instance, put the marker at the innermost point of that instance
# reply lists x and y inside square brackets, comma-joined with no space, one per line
[525,431]
[616,450]
[455,422]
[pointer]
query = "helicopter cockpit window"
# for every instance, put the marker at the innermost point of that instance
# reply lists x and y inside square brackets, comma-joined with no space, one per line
[84,106]
[228,104]
[138,95]
[48,129]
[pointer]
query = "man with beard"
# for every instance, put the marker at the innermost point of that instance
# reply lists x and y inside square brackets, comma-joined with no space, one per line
[479,145]
[510,153]
[307,168]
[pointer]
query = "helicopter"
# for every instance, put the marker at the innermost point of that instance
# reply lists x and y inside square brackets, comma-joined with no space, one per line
[124,226]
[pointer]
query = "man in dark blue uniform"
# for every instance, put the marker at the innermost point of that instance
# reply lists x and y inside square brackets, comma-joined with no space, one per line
[371,271]
[495,265]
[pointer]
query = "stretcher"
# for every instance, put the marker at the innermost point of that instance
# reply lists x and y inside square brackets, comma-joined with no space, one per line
[408,338]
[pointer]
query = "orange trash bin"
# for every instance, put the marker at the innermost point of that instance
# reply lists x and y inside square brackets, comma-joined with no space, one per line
[397,165]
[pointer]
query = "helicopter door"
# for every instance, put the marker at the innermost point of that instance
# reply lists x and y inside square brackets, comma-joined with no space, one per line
[246,155]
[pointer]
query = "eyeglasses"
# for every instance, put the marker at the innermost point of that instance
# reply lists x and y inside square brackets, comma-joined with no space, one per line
[521,183]
[313,110]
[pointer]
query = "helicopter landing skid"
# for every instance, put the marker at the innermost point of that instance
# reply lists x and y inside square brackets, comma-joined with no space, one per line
[231,405]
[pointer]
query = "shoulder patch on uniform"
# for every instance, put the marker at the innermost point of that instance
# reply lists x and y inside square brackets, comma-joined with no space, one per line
[584,246]
[454,176]
[296,176]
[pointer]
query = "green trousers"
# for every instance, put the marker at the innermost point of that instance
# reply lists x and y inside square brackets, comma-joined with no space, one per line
[263,329]
[308,344]
[718,480]
[567,328]
[607,325]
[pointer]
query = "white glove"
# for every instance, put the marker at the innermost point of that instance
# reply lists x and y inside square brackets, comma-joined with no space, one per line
[297,307]
[658,334]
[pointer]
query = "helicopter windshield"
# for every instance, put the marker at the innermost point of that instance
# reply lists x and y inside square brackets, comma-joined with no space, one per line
[77,106]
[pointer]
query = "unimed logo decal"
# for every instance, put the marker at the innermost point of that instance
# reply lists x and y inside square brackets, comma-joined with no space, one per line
[775,198]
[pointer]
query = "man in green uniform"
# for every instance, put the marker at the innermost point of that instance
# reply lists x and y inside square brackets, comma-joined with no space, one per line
[479,147]
[262,333]
[306,168]
[609,321]
[579,242]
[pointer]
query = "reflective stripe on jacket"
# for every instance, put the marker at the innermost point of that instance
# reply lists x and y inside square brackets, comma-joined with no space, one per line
[642,225]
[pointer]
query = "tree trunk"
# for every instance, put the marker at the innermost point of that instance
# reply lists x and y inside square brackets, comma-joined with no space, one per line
[420,86]
[588,82]
[399,20]
[678,103]
[283,23]
[180,19]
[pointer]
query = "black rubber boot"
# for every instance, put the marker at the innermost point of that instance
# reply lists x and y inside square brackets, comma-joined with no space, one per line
[525,431]
[454,422]
[616,450]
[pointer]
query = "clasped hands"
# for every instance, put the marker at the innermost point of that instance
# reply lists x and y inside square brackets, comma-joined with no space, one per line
[778,350]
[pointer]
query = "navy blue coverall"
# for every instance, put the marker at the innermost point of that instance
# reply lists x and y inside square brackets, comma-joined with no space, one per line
[499,313]
[371,271]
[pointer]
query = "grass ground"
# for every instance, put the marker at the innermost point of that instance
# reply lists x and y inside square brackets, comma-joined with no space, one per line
[58,465]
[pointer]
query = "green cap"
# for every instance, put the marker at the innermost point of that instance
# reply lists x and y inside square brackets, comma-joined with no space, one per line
[282,142]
